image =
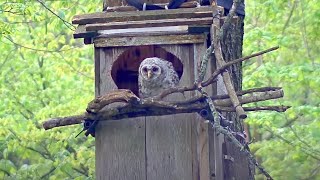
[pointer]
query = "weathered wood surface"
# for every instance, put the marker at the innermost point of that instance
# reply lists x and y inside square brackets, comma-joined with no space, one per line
[112,3]
[120,146]
[232,164]
[120,150]
[202,128]
[149,40]
[149,31]
[231,44]
[103,17]
[103,69]
[149,23]
[170,146]
[191,4]
[176,146]
[81,32]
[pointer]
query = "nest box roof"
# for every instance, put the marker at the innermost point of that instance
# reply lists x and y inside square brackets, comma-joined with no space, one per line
[165,23]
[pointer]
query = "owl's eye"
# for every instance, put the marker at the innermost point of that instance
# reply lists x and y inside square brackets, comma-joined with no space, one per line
[155,69]
[145,69]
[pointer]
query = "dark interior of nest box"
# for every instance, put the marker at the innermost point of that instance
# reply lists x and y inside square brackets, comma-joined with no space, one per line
[125,69]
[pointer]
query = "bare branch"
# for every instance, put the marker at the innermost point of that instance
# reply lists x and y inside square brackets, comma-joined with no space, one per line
[68,24]
[98,109]
[214,75]
[63,121]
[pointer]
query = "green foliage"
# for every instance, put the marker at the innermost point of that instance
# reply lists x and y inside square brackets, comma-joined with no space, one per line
[44,73]
[287,144]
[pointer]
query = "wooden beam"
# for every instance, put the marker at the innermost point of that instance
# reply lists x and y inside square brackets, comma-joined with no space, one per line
[149,40]
[191,4]
[81,32]
[149,23]
[150,31]
[103,17]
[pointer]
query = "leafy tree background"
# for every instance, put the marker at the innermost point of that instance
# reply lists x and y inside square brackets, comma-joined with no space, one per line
[286,143]
[46,73]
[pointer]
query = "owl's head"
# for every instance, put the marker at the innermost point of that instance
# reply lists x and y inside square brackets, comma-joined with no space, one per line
[151,68]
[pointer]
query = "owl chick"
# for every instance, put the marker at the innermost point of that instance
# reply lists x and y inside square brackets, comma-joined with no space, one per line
[156,75]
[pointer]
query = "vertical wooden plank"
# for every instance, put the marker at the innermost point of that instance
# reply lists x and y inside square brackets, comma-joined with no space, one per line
[107,57]
[168,147]
[218,141]
[182,52]
[168,138]
[202,127]
[120,150]
[120,145]
[212,134]
[97,79]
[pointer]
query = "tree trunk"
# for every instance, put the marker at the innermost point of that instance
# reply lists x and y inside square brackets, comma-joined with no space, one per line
[232,42]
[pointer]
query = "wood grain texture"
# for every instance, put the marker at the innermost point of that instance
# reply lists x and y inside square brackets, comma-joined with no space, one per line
[212,152]
[149,23]
[238,168]
[120,145]
[81,32]
[218,156]
[103,17]
[111,3]
[97,77]
[167,147]
[108,56]
[203,147]
[149,31]
[120,150]
[168,138]
[190,4]
[148,40]
[123,2]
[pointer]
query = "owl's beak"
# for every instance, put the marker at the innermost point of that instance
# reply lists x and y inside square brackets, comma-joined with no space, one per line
[149,74]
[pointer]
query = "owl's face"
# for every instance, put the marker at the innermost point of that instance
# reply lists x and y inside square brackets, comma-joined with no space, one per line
[150,72]
[155,75]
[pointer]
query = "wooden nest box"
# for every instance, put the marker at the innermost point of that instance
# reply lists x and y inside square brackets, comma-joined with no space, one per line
[149,148]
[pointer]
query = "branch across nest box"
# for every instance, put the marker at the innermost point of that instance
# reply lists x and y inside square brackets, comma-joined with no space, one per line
[134,107]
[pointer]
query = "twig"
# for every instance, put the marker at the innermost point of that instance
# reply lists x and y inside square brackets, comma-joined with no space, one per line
[63,121]
[227,81]
[213,76]
[120,95]
[244,150]
[127,112]
[98,108]
[248,91]
[226,65]
[69,25]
